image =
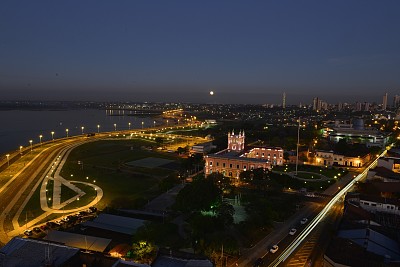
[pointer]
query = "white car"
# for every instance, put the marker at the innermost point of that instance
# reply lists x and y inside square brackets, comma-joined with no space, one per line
[274,249]
[304,221]
[28,232]
[292,231]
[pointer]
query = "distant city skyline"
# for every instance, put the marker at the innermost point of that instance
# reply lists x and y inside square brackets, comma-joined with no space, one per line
[177,51]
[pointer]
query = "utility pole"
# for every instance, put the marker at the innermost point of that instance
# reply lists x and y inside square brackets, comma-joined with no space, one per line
[298,144]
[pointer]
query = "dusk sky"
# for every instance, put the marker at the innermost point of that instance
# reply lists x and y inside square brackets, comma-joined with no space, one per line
[245,51]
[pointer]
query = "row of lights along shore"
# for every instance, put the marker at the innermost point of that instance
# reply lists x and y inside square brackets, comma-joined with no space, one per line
[67,135]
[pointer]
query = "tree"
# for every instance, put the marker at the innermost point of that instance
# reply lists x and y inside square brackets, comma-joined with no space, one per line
[201,194]
[144,251]
[220,180]
[225,212]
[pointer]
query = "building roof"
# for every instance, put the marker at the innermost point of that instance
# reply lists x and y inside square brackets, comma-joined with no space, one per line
[348,253]
[167,261]
[383,172]
[372,241]
[31,252]
[79,241]
[387,187]
[378,199]
[235,155]
[116,223]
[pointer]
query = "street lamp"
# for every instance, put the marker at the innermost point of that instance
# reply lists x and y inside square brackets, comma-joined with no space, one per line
[30,141]
[40,139]
[98,128]
[20,150]
[167,123]
[52,136]
[115,126]
[8,159]
[142,124]
[154,122]
[82,129]
[67,130]
[129,125]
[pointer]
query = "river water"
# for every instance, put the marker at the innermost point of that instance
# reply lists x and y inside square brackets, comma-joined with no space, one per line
[17,127]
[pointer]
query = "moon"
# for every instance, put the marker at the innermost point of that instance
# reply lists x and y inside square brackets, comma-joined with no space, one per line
[211,92]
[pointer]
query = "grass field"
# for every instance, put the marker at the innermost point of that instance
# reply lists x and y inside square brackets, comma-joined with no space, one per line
[103,162]
[328,172]
[307,175]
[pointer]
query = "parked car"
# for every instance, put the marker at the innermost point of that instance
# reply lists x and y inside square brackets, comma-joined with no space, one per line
[258,262]
[28,232]
[304,221]
[52,225]
[274,249]
[92,209]
[292,231]
[83,213]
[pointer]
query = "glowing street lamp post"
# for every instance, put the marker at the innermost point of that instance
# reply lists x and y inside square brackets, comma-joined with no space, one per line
[8,159]
[30,141]
[67,130]
[20,150]
[154,122]
[52,136]
[129,125]
[115,126]
[98,128]
[142,124]
[40,139]
[82,128]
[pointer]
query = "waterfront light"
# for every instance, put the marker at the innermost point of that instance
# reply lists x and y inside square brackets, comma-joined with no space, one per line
[20,150]
[52,135]
[142,124]
[115,126]
[129,125]
[98,128]
[40,139]
[31,141]
[67,130]
[82,129]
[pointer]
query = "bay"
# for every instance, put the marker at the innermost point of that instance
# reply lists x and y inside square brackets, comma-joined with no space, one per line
[17,127]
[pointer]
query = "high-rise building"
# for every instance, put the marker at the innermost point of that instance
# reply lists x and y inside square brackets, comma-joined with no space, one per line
[284,100]
[384,101]
[358,106]
[396,101]
[315,103]
[340,106]
[366,106]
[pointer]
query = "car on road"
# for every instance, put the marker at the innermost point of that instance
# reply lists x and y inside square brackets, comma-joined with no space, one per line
[304,221]
[28,232]
[274,249]
[258,262]
[292,231]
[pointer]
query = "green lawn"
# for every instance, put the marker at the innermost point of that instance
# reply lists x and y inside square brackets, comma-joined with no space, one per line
[103,164]
[328,172]
[307,175]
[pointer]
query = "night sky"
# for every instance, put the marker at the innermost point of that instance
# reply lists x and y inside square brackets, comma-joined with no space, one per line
[245,51]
